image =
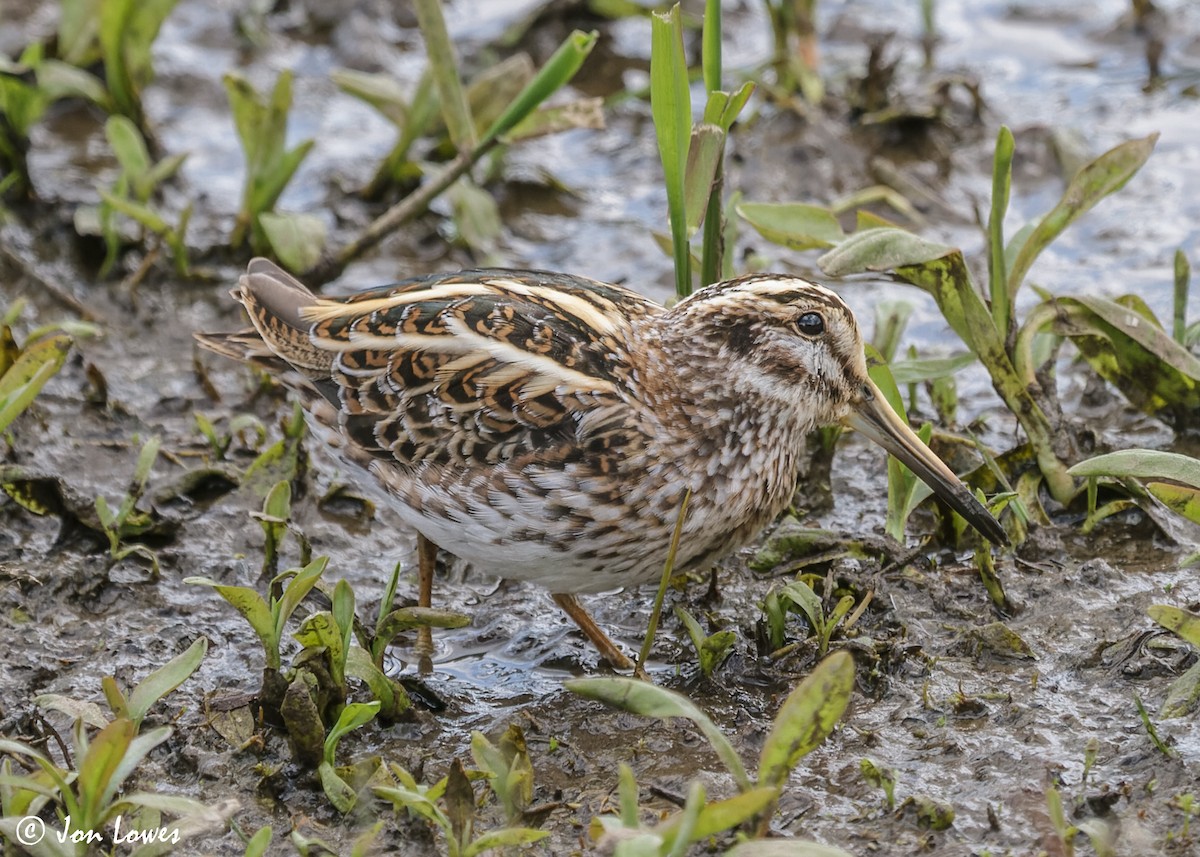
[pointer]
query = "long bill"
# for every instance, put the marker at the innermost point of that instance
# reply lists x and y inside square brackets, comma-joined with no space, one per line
[874,418]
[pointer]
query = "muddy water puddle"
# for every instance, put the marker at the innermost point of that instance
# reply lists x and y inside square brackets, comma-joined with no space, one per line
[958,716]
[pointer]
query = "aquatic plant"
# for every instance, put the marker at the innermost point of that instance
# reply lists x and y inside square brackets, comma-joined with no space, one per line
[261,123]
[137,703]
[805,719]
[518,117]
[87,798]
[692,154]
[451,805]
[130,196]
[126,520]
[26,366]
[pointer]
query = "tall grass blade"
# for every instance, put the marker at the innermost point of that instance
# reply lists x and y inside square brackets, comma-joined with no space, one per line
[671,107]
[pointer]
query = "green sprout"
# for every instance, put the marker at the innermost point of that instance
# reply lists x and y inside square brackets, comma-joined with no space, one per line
[261,123]
[126,520]
[882,777]
[26,367]
[91,794]
[450,805]
[711,649]
[692,154]
[140,700]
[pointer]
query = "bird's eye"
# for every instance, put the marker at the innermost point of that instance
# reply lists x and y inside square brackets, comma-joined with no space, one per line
[811,324]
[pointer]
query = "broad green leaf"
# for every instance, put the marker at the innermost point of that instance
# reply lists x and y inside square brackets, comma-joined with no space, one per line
[1183,694]
[882,249]
[88,712]
[165,679]
[259,842]
[1181,622]
[353,716]
[923,369]
[1179,499]
[297,240]
[1148,464]
[254,609]
[793,224]
[381,91]
[807,717]
[319,630]
[1102,177]
[703,159]
[137,750]
[339,792]
[59,80]
[1126,346]
[296,590]
[99,766]
[392,697]
[25,378]
[418,803]
[649,700]
[727,814]
[508,837]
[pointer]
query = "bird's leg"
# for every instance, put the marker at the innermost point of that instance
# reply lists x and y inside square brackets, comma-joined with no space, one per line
[607,648]
[426,562]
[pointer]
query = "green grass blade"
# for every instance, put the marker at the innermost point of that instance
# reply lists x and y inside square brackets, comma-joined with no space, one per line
[1183,276]
[444,63]
[671,107]
[997,269]
[710,51]
[554,75]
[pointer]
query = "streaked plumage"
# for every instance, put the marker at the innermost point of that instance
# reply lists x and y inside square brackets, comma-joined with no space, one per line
[545,427]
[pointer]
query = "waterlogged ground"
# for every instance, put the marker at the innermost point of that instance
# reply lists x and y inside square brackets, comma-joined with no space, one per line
[961,717]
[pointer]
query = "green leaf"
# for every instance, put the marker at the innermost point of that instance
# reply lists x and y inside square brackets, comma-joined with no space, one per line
[297,240]
[703,159]
[793,224]
[1181,622]
[25,378]
[98,769]
[143,214]
[381,91]
[723,815]
[919,370]
[555,74]
[997,269]
[507,837]
[784,848]
[88,712]
[299,586]
[259,842]
[444,64]
[1180,500]
[339,792]
[807,717]
[353,716]
[648,700]
[128,145]
[881,249]
[1142,464]
[392,697]
[254,609]
[1096,180]
[671,107]
[165,679]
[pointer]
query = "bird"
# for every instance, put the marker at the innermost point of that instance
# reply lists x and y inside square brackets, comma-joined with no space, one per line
[547,427]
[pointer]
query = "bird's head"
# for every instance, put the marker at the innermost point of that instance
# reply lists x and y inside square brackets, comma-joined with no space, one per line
[795,345]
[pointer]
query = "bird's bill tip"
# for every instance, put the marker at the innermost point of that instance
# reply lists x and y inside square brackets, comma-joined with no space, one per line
[874,418]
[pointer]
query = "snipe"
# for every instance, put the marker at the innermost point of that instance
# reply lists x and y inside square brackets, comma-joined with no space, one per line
[545,427]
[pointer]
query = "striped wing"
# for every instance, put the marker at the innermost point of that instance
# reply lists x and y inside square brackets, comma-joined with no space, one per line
[475,367]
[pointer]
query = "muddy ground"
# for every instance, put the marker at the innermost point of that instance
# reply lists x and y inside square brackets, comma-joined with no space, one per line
[961,721]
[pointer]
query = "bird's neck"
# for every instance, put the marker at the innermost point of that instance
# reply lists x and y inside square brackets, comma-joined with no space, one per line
[743,445]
